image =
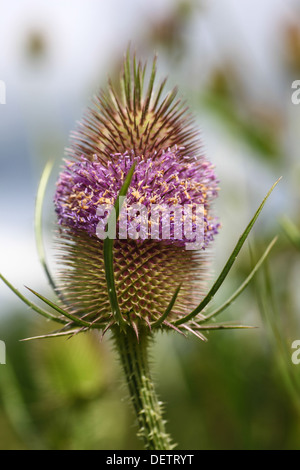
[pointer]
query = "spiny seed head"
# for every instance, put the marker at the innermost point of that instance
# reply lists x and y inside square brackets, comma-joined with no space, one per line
[156,134]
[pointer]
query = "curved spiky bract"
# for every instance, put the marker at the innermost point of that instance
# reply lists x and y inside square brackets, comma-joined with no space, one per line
[135,117]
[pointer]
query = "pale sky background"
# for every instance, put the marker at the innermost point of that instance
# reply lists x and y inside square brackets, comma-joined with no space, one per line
[83,39]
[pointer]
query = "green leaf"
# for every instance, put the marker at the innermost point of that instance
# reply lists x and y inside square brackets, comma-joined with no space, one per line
[34,307]
[53,335]
[108,254]
[228,264]
[223,326]
[242,286]
[168,309]
[38,220]
[63,312]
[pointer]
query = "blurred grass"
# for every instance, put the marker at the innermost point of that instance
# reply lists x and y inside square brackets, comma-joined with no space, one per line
[60,397]
[225,394]
[239,390]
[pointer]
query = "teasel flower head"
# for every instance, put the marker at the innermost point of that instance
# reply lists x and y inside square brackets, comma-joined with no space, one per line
[155,134]
[121,269]
[137,144]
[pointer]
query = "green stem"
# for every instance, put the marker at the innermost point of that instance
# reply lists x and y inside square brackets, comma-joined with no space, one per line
[134,359]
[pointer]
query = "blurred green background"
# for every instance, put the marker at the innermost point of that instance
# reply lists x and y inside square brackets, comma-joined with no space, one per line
[235,63]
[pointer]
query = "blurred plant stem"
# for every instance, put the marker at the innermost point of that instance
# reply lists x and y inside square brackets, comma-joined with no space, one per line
[133,353]
[16,409]
[291,231]
[269,306]
[251,129]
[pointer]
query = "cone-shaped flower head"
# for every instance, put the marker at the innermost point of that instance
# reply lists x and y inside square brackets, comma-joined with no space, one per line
[157,228]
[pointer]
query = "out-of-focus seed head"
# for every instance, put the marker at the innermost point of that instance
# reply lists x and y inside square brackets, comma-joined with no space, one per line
[156,133]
